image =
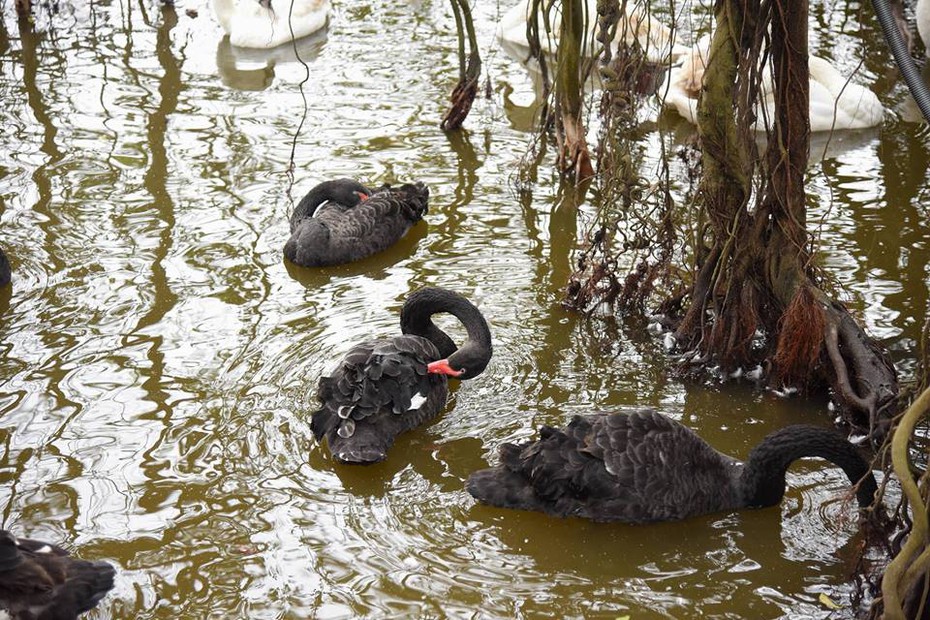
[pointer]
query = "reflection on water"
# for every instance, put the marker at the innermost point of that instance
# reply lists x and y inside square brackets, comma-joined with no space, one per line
[158,357]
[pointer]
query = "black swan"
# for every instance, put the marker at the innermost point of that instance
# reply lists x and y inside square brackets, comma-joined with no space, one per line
[40,580]
[641,466]
[343,221]
[385,387]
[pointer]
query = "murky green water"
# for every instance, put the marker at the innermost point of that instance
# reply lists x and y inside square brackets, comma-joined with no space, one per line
[158,360]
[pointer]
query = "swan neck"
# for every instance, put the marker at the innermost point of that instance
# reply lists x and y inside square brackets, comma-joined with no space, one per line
[224,10]
[416,319]
[314,198]
[763,477]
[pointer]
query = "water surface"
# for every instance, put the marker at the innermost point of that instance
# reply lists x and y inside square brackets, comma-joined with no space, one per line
[158,359]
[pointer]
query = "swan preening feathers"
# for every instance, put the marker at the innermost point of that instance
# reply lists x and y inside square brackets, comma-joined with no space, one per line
[39,580]
[384,387]
[269,23]
[835,102]
[342,221]
[641,467]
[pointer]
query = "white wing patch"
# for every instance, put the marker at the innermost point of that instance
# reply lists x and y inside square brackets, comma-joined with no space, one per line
[417,401]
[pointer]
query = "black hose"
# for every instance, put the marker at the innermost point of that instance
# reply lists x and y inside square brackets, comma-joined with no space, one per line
[902,57]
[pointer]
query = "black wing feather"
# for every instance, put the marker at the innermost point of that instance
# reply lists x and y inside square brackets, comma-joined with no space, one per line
[369,398]
[632,467]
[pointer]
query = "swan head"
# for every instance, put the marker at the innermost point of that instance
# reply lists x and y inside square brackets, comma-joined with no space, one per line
[348,192]
[466,363]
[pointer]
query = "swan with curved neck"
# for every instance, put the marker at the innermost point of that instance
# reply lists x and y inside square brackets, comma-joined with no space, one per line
[263,25]
[40,580]
[342,221]
[835,102]
[384,387]
[642,467]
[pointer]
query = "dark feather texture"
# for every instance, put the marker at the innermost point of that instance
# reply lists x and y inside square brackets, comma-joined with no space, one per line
[332,226]
[5,272]
[383,387]
[642,466]
[40,581]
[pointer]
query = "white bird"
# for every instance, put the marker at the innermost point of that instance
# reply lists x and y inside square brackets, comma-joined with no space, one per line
[256,24]
[835,102]
[637,26]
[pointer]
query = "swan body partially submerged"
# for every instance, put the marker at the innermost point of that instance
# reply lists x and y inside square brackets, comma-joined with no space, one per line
[385,387]
[342,221]
[642,467]
[835,102]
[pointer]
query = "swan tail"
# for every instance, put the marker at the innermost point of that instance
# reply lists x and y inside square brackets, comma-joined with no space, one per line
[503,488]
[415,200]
[366,446]
[88,583]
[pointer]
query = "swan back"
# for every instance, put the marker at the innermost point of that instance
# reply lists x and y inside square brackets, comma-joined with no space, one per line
[634,467]
[385,387]
[380,389]
[837,103]
[339,233]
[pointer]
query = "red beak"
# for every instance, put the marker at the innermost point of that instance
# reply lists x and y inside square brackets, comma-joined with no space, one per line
[441,367]
[362,196]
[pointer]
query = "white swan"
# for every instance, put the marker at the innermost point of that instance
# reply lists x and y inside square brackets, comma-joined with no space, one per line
[835,102]
[655,38]
[258,24]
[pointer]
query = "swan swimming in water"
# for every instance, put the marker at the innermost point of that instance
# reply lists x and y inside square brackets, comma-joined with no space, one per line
[261,24]
[835,102]
[641,467]
[342,221]
[384,387]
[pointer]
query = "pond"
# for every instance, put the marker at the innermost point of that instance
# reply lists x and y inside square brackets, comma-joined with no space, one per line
[159,359]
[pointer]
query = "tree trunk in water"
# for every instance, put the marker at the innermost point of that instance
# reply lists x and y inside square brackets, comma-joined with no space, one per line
[574,158]
[756,276]
[464,93]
